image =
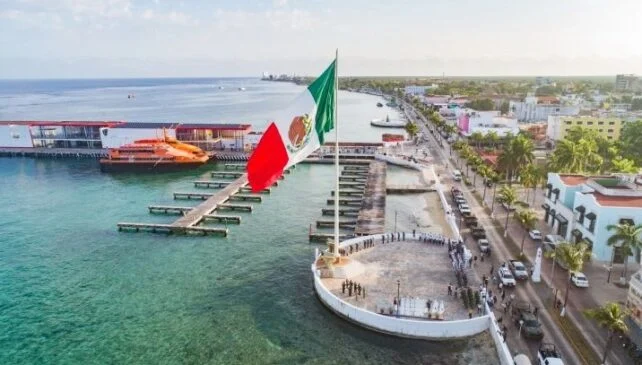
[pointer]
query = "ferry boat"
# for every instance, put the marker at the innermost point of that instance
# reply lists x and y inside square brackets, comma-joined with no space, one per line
[387,123]
[154,155]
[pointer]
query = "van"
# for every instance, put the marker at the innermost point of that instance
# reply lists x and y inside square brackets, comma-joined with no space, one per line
[457,175]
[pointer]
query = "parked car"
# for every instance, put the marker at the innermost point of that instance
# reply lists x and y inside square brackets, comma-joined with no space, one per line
[457,175]
[535,235]
[470,220]
[518,269]
[459,200]
[579,280]
[505,277]
[464,205]
[465,210]
[550,241]
[483,244]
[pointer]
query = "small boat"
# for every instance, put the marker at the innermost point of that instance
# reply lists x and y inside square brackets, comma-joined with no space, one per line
[241,89]
[387,123]
[221,88]
[154,155]
[380,105]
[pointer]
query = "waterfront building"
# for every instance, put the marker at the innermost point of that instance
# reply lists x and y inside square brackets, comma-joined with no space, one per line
[114,134]
[534,109]
[471,121]
[579,208]
[627,82]
[606,127]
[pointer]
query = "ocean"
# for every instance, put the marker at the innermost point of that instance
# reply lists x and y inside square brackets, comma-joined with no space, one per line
[76,291]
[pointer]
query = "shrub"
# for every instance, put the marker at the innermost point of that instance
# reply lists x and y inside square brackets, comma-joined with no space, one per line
[477,297]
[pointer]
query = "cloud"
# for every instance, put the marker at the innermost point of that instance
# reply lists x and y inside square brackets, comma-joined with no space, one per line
[39,19]
[172,17]
[279,3]
[294,19]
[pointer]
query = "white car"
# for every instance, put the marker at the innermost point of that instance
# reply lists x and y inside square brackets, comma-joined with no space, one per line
[535,235]
[484,245]
[463,206]
[579,280]
[505,277]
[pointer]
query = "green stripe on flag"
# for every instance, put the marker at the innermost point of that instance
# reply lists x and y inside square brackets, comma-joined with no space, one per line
[323,90]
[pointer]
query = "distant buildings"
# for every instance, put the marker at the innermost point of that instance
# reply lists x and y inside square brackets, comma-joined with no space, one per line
[419,90]
[579,208]
[535,109]
[558,126]
[627,82]
[542,81]
[471,121]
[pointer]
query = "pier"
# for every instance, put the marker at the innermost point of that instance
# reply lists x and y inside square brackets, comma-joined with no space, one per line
[371,219]
[170,229]
[324,237]
[226,174]
[342,211]
[329,223]
[346,201]
[355,185]
[247,197]
[234,219]
[355,193]
[244,207]
[211,184]
[166,209]
[409,189]
[361,179]
[190,196]
[235,166]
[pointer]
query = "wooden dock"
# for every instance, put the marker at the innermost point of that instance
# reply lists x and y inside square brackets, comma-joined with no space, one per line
[371,218]
[354,173]
[215,200]
[166,209]
[325,237]
[355,193]
[247,189]
[171,229]
[234,219]
[211,184]
[329,223]
[361,179]
[193,196]
[356,185]
[342,211]
[247,197]
[227,174]
[355,168]
[235,166]
[346,201]
[244,207]
[408,189]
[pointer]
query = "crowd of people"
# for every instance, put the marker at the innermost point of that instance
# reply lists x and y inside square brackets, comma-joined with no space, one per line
[353,288]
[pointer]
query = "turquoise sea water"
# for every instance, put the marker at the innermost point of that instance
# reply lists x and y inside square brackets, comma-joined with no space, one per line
[76,291]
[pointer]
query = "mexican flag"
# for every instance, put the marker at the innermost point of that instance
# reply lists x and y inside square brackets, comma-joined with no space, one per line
[296,131]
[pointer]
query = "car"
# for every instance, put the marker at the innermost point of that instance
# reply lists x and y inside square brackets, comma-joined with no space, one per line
[457,175]
[478,232]
[531,328]
[459,200]
[505,277]
[547,354]
[483,244]
[579,280]
[465,210]
[462,206]
[535,235]
[518,269]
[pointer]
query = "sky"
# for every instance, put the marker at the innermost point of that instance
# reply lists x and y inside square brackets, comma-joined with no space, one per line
[212,38]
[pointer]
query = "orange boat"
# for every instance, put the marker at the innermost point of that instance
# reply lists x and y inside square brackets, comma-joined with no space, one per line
[158,155]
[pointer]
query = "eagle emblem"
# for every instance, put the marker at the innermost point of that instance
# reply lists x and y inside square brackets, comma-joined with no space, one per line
[299,132]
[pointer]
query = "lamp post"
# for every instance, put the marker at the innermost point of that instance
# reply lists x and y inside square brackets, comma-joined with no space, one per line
[521,322]
[398,297]
[395,221]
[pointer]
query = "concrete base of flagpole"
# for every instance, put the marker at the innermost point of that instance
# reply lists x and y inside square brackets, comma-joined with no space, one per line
[338,267]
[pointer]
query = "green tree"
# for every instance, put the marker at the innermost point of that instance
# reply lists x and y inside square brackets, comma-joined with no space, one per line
[529,177]
[476,138]
[491,138]
[481,104]
[576,157]
[636,104]
[528,219]
[517,153]
[623,165]
[507,196]
[627,238]
[412,129]
[505,107]
[612,317]
[571,256]
[631,139]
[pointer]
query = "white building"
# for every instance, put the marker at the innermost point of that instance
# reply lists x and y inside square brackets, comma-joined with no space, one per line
[531,110]
[471,121]
[418,90]
[634,300]
[579,208]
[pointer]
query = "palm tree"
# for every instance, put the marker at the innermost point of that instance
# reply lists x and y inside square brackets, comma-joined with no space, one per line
[517,153]
[529,178]
[483,172]
[576,157]
[620,164]
[475,161]
[491,176]
[571,256]
[528,219]
[628,238]
[610,316]
[508,196]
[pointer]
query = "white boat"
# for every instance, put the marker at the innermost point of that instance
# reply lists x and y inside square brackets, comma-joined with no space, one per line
[386,123]
[221,88]
[241,89]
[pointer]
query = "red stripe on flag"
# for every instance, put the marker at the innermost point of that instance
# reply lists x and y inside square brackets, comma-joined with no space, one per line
[268,160]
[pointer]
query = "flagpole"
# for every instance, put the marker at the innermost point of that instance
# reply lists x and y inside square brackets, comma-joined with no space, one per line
[336,155]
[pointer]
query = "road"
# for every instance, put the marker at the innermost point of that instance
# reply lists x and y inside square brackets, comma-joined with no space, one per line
[524,291]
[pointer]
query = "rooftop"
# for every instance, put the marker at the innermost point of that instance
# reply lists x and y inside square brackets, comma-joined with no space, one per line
[573,180]
[618,201]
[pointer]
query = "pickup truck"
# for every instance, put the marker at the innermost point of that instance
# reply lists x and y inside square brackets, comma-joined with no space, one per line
[478,232]
[531,327]
[505,277]
[518,269]
[548,355]
[483,244]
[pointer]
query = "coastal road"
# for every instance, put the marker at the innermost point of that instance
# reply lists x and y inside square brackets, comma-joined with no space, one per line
[524,291]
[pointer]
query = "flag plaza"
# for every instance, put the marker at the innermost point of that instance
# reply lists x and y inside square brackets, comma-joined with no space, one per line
[296,132]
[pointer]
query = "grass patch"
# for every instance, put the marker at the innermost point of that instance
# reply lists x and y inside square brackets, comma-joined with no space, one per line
[575,337]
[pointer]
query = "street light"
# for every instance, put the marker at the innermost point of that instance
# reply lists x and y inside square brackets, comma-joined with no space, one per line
[521,322]
[398,297]
[395,221]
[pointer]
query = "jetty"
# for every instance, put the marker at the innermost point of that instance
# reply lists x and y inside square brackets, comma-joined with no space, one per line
[342,211]
[211,184]
[324,237]
[166,209]
[371,218]
[235,219]
[226,174]
[356,193]
[329,223]
[235,166]
[409,189]
[190,196]
[170,229]
[346,201]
